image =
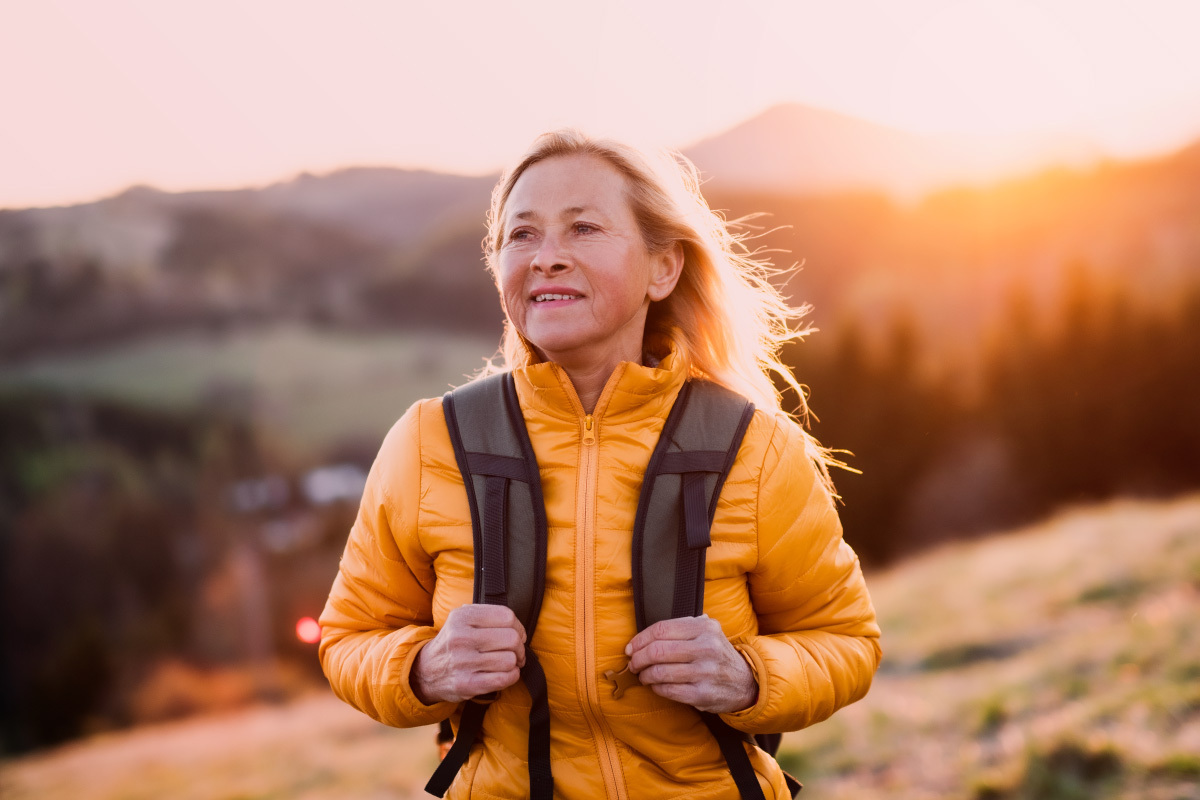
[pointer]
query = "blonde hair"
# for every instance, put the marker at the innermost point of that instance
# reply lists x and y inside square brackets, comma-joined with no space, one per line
[725,318]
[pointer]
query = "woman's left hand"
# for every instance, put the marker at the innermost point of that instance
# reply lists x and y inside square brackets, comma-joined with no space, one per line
[689,660]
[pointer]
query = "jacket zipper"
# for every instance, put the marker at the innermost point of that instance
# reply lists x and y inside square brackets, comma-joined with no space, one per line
[585,620]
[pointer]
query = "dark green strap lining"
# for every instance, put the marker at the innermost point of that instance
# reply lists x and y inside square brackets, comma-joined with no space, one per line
[695,451]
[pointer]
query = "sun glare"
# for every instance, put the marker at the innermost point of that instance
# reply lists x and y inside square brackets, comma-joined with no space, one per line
[308,630]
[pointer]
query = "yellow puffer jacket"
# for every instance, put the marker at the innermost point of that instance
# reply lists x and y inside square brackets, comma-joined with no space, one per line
[786,589]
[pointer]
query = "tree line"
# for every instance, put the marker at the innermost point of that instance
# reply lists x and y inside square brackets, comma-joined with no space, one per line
[1087,398]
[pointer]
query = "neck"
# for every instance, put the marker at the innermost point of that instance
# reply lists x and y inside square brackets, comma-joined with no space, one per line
[589,372]
[590,368]
[589,382]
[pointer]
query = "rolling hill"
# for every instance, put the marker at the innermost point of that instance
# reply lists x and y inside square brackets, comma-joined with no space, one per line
[380,247]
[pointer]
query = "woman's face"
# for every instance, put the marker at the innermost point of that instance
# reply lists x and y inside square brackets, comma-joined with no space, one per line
[574,272]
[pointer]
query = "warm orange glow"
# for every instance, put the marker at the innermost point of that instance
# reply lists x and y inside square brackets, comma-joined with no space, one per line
[308,630]
[116,93]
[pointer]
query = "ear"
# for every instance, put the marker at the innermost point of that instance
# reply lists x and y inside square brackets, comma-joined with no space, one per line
[665,272]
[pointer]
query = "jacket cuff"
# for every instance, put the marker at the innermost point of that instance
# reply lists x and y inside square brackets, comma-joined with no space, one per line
[414,711]
[745,718]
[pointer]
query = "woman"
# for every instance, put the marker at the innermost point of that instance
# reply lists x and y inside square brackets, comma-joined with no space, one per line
[618,284]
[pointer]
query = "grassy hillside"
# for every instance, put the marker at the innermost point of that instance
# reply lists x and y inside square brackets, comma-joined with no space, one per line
[306,389]
[1061,662]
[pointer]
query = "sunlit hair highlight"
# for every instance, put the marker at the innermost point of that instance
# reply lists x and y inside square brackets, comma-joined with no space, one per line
[725,318]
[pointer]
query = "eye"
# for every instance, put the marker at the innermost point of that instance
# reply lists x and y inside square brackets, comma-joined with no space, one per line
[585,227]
[520,235]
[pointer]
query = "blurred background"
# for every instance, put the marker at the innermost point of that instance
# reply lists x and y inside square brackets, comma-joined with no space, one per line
[237,240]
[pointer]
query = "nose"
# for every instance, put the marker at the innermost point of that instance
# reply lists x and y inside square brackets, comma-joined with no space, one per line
[552,256]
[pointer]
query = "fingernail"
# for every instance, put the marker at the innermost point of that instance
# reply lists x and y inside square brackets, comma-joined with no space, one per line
[629,649]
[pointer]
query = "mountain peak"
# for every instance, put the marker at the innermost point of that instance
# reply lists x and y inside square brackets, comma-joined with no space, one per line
[797,149]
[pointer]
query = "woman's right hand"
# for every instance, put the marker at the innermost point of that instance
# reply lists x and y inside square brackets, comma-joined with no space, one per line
[480,649]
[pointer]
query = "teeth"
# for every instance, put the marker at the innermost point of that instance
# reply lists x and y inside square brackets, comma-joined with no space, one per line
[543,297]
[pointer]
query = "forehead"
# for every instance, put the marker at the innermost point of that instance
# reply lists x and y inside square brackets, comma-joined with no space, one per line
[566,184]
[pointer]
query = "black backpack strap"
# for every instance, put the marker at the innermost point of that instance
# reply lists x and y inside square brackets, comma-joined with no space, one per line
[508,522]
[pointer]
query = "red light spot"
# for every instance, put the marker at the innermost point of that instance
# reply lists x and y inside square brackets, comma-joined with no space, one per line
[308,630]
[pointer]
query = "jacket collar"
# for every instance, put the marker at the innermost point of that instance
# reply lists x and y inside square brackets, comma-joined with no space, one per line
[633,391]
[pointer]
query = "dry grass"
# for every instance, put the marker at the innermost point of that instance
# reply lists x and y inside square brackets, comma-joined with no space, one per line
[313,749]
[1062,661]
[1058,663]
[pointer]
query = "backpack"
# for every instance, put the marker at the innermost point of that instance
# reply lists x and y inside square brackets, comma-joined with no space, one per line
[695,451]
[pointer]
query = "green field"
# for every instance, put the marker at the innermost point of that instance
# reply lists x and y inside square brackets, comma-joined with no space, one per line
[305,389]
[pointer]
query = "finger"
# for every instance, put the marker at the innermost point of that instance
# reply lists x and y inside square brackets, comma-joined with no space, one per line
[486,640]
[678,628]
[477,683]
[685,693]
[486,615]
[664,651]
[495,681]
[501,661]
[674,673]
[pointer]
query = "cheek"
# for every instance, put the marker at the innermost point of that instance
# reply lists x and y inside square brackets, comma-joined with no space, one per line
[510,282]
[514,302]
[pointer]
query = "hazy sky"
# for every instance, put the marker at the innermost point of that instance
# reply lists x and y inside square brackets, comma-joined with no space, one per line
[96,95]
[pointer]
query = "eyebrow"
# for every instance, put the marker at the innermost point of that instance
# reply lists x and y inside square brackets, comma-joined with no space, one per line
[566,212]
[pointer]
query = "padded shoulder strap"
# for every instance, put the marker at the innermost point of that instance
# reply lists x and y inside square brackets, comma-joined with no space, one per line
[695,451]
[508,516]
[697,448]
[508,522]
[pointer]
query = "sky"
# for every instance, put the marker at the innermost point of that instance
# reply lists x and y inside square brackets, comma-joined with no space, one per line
[188,94]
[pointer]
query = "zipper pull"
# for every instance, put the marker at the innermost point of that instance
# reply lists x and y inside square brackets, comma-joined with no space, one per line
[589,430]
[621,681]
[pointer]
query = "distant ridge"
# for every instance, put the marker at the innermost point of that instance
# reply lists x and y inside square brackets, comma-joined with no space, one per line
[385,204]
[797,149]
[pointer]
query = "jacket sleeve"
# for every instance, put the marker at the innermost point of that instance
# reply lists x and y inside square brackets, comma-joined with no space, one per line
[379,612]
[817,648]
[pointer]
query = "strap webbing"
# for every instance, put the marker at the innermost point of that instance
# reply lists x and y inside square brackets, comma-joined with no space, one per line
[695,511]
[541,781]
[495,510]
[469,726]
[731,743]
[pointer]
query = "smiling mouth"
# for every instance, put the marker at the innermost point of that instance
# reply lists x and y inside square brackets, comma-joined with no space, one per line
[543,298]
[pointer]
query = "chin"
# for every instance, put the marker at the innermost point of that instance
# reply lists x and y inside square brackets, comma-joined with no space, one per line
[555,343]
